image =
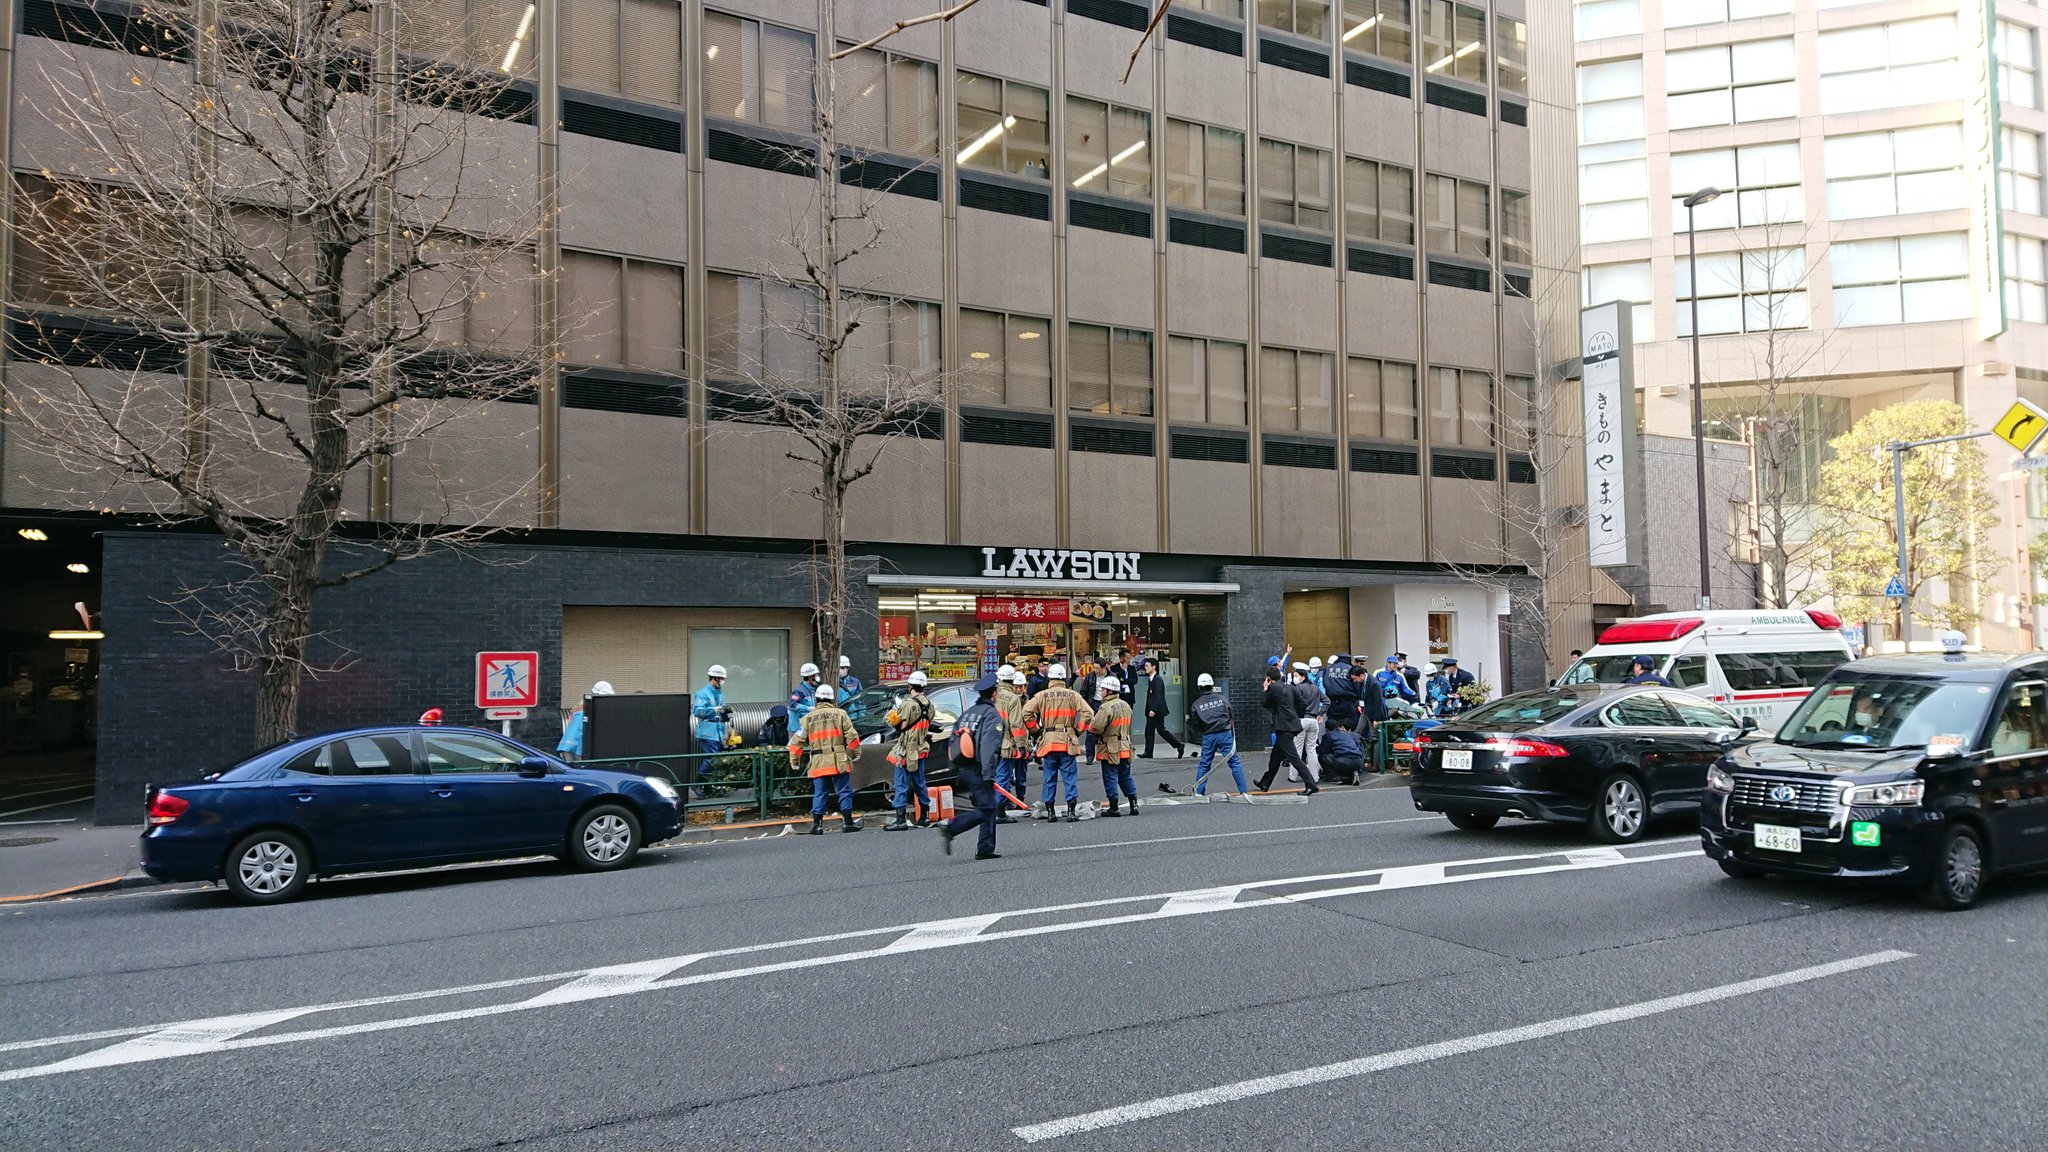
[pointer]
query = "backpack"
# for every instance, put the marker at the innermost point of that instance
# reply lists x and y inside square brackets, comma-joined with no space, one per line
[960,747]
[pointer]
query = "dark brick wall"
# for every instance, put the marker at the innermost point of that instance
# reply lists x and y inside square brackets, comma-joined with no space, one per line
[172,708]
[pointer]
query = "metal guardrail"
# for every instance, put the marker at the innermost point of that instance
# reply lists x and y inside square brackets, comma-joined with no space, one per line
[757,777]
[1391,749]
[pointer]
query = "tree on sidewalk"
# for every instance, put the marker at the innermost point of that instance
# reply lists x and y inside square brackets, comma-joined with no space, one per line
[1948,507]
[263,263]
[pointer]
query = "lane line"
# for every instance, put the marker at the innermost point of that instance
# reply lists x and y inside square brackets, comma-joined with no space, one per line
[52,804]
[9,799]
[19,823]
[167,1041]
[1253,832]
[1343,1070]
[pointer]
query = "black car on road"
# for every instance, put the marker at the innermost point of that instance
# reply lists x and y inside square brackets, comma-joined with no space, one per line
[1610,758]
[1923,769]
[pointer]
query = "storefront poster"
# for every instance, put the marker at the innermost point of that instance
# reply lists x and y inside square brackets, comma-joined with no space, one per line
[1013,609]
[1093,611]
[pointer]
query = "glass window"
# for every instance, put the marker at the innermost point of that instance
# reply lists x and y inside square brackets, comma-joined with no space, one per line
[622,313]
[1442,632]
[1515,228]
[1888,173]
[1689,672]
[1886,711]
[756,661]
[1231,8]
[758,329]
[1759,184]
[1379,201]
[889,339]
[1731,83]
[890,103]
[1460,408]
[2019,65]
[487,35]
[1295,391]
[630,48]
[1204,168]
[1454,40]
[1511,56]
[1106,149]
[1310,18]
[1599,19]
[1888,65]
[1004,361]
[2019,170]
[2026,282]
[1205,381]
[1754,291]
[1002,126]
[1457,216]
[1379,397]
[2022,725]
[453,752]
[1631,282]
[1613,201]
[1694,712]
[1379,27]
[1294,185]
[1895,280]
[1109,370]
[1643,710]
[758,73]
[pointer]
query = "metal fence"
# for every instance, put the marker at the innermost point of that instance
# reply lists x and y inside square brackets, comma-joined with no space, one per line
[1392,748]
[743,778]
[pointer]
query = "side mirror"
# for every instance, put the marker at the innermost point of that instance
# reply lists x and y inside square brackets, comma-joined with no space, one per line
[1749,723]
[533,767]
[1946,750]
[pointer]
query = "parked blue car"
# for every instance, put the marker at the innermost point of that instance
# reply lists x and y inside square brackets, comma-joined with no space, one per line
[381,798]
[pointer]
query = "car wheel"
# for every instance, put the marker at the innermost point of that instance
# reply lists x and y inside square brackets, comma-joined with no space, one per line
[1471,821]
[1620,813]
[268,867]
[604,838]
[1959,869]
[1740,871]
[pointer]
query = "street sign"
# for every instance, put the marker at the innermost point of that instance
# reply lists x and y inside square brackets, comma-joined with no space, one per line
[1896,590]
[2022,426]
[504,713]
[507,680]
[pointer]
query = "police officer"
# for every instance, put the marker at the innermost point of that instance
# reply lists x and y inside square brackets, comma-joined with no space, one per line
[849,684]
[1059,715]
[982,726]
[805,697]
[826,745]
[1014,761]
[1643,670]
[1111,728]
[1390,683]
[913,722]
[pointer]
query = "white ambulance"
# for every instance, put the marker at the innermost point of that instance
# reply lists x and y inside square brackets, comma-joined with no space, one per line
[1753,663]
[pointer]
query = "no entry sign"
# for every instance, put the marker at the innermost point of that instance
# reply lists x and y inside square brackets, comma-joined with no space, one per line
[507,680]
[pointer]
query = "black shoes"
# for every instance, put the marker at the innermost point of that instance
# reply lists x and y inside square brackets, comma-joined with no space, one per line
[817,826]
[1005,818]
[988,856]
[1071,818]
[848,823]
[1111,810]
[1134,805]
[901,825]
[946,840]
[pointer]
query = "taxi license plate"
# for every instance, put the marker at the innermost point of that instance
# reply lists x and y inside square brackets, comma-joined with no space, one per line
[1777,838]
[1457,760]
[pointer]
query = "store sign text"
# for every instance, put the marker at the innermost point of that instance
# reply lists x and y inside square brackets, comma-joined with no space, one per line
[1062,564]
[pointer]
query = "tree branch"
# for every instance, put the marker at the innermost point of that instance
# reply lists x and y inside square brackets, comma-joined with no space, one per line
[904,25]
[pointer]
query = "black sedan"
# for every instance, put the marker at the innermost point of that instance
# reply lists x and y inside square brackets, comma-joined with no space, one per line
[1611,759]
[382,798]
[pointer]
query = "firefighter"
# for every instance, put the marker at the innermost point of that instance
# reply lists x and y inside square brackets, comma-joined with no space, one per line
[1059,715]
[912,719]
[826,745]
[1111,727]
[1016,751]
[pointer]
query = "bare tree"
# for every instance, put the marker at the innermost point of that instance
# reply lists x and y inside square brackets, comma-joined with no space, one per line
[260,266]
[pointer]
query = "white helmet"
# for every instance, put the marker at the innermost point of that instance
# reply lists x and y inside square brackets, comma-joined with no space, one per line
[1056,672]
[602,688]
[717,672]
[1300,667]
[917,679]
[1429,669]
[807,670]
[1315,663]
[845,663]
[1205,681]
[1111,686]
[825,691]
[1006,673]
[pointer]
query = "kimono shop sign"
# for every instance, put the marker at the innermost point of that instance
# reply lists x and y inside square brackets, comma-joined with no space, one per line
[1061,564]
[1611,496]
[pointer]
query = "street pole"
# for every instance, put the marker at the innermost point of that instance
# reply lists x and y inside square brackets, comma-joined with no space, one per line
[1699,420]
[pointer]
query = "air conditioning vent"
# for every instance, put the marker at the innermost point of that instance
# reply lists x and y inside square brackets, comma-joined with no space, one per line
[1290,453]
[1456,466]
[81,343]
[1385,461]
[1512,113]
[1106,217]
[1016,430]
[1122,13]
[1214,447]
[768,155]
[136,33]
[605,392]
[1521,470]
[635,128]
[1456,99]
[1198,233]
[883,175]
[1369,262]
[1118,439]
[1360,74]
[1002,198]
[1449,275]
[1294,249]
[1298,58]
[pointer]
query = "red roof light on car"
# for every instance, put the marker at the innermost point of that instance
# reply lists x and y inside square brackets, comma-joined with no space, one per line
[164,807]
[1650,631]
[1825,621]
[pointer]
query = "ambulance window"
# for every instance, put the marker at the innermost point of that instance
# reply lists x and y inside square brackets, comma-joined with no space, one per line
[1689,672]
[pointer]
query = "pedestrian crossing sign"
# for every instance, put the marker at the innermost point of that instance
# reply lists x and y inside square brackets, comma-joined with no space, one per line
[1895,590]
[507,680]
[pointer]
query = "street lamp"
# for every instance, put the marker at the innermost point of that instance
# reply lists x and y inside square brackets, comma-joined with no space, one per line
[1699,421]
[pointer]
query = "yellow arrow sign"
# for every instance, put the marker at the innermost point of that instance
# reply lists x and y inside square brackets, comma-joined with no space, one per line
[2022,425]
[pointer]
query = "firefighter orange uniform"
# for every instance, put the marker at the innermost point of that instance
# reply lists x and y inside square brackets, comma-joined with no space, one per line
[827,746]
[1112,729]
[1059,716]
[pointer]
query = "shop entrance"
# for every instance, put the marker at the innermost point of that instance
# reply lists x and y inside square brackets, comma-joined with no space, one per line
[961,636]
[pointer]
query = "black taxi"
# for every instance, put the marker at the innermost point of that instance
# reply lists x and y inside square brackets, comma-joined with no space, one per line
[1928,769]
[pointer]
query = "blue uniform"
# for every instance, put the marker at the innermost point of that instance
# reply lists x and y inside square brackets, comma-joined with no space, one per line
[1391,683]
[849,686]
[572,735]
[801,702]
[707,707]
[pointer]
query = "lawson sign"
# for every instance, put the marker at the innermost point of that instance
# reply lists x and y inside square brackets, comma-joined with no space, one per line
[1061,564]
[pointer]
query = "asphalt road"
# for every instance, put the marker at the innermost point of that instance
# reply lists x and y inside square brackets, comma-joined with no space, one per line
[1336,974]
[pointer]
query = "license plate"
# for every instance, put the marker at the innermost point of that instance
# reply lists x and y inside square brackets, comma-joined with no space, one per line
[1777,838]
[1457,760]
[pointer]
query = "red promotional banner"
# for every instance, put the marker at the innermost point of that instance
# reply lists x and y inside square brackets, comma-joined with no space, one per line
[1020,610]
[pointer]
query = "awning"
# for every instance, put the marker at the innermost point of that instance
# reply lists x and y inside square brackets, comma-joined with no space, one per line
[1021,584]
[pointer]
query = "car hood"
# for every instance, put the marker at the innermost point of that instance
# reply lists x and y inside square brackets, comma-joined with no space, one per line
[1837,763]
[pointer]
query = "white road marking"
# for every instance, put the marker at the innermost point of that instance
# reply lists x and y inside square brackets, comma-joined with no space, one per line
[40,807]
[1267,1085]
[1253,832]
[19,823]
[165,1041]
[86,787]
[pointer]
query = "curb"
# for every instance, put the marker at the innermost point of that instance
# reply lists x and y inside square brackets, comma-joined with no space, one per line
[110,884]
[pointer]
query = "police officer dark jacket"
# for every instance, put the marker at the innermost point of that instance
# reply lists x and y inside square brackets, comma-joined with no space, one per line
[1210,713]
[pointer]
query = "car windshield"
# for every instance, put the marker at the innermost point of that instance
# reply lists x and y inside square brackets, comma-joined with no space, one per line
[1874,712]
[1608,669]
[1526,709]
[869,704]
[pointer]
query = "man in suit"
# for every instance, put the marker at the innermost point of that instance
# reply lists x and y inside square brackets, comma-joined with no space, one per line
[1155,711]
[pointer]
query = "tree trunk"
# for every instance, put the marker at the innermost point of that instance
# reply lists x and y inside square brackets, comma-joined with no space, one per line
[832,593]
[286,630]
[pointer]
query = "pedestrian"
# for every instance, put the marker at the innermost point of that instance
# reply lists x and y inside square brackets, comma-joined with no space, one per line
[1060,716]
[1313,705]
[1111,728]
[975,752]
[1412,674]
[570,747]
[709,709]
[826,746]
[1372,703]
[1342,755]
[1086,686]
[1209,713]
[912,719]
[805,695]
[849,684]
[1391,684]
[1155,711]
[1036,681]
[1643,670]
[1283,710]
[1015,760]
[1315,674]
[1343,693]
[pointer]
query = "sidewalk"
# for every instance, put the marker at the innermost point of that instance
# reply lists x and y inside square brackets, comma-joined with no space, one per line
[41,861]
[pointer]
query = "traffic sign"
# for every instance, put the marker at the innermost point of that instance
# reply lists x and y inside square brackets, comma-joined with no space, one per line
[507,680]
[1896,590]
[2022,426]
[504,713]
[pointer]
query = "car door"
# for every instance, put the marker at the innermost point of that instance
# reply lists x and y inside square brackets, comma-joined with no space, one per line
[1649,736]
[1708,731]
[2014,788]
[478,804]
[357,798]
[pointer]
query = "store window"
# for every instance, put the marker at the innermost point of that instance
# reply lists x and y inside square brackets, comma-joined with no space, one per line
[1379,201]
[626,313]
[892,103]
[1380,27]
[1106,149]
[1905,279]
[1109,370]
[1294,391]
[1442,635]
[1460,408]
[1294,185]
[1379,396]
[1005,361]
[1454,40]
[758,73]
[632,48]
[1204,168]
[1205,381]
[1310,18]
[1002,126]
[756,660]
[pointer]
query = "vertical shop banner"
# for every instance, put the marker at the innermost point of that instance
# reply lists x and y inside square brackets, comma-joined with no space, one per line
[1613,459]
[898,661]
[1019,610]
[1981,161]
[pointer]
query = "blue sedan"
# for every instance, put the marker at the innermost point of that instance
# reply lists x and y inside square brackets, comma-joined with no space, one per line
[382,798]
